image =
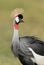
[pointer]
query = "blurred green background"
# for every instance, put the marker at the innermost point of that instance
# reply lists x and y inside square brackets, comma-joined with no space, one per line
[33,25]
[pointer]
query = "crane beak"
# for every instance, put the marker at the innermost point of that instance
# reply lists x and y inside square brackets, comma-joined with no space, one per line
[21,20]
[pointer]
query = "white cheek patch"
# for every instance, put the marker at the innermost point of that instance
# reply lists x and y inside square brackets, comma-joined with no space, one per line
[17,19]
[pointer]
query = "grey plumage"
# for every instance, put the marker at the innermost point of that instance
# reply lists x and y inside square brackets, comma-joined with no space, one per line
[23,52]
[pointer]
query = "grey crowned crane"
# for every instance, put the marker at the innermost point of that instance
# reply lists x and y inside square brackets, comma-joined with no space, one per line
[28,49]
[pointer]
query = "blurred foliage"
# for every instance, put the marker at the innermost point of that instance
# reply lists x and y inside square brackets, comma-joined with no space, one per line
[33,25]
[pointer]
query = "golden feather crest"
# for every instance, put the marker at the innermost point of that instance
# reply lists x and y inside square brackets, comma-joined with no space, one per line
[16,12]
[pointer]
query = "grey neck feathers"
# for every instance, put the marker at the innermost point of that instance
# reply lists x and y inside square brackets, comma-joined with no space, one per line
[15,36]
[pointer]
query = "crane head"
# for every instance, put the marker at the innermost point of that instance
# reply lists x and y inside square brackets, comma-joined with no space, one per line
[17,15]
[19,19]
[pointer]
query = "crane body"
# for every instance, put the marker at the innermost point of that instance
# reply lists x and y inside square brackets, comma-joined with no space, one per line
[28,49]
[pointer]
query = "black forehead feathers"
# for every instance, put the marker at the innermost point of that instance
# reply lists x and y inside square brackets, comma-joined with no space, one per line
[20,16]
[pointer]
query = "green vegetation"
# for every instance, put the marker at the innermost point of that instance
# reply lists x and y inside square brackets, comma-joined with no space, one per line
[33,25]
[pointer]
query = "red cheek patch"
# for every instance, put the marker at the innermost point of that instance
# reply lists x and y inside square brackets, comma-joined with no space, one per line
[16,26]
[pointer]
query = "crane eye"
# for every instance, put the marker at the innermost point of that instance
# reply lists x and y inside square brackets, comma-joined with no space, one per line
[20,16]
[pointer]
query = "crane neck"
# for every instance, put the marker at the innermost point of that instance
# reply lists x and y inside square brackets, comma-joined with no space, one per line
[15,33]
[16,29]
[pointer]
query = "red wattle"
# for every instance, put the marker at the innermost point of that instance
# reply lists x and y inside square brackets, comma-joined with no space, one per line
[16,26]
